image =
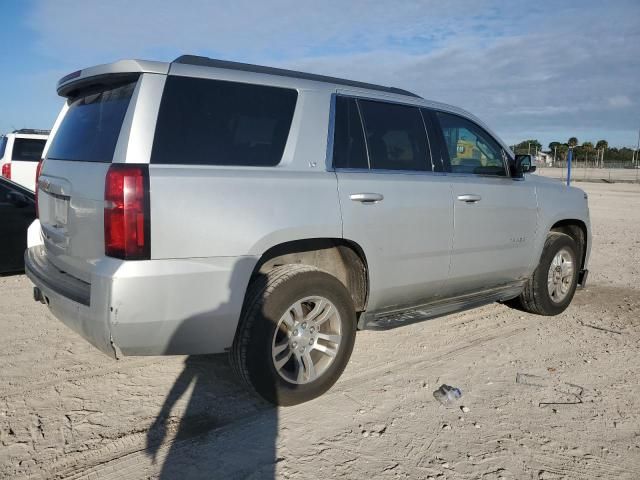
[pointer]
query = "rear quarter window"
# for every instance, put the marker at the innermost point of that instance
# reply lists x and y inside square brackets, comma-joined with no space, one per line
[27,149]
[3,146]
[213,122]
[90,129]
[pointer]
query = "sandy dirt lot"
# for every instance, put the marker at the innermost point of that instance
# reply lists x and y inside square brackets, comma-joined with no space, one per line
[67,411]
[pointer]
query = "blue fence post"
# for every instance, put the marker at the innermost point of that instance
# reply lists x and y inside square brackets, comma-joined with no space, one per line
[569,158]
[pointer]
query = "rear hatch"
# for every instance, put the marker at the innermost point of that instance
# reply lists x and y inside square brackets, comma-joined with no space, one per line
[72,180]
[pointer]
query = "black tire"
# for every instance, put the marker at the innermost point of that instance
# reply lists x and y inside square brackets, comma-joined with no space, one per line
[535,297]
[268,297]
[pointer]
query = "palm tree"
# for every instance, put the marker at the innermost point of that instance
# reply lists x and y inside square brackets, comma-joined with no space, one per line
[553,147]
[562,150]
[571,144]
[601,146]
[587,147]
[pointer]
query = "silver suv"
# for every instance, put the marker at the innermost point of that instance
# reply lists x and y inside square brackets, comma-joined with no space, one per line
[204,206]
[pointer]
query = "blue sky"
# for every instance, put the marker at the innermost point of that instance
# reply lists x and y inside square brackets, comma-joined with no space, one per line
[546,69]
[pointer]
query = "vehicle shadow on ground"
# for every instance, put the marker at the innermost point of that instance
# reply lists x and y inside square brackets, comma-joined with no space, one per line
[224,431]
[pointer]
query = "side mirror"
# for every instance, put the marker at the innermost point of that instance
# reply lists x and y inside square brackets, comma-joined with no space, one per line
[522,164]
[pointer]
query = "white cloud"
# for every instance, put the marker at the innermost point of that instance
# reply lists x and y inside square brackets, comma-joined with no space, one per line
[522,67]
[618,101]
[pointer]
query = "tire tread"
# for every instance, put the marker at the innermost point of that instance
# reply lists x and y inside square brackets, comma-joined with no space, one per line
[530,299]
[254,299]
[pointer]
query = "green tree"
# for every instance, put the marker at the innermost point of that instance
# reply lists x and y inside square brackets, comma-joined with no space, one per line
[528,146]
[601,147]
[553,145]
[587,148]
[572,142]
[561,151]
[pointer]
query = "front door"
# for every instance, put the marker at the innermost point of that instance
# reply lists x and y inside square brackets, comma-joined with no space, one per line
[495,215]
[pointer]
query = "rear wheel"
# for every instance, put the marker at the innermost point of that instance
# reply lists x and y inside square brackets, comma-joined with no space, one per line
[550,289]
[296,334]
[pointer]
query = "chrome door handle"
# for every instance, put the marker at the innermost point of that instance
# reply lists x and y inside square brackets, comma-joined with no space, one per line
[469,198]
[366,197]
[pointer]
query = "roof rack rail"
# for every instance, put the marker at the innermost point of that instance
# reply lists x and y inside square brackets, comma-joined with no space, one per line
[247,67]
[32,131]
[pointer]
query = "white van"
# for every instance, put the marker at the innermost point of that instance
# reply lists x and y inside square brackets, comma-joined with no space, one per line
[20,152]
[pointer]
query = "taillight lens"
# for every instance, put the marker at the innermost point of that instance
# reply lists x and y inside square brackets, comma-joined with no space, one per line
[126,212]
[6,170]
[38,170]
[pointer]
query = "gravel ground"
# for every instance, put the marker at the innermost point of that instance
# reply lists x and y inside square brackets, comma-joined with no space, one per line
[67,411]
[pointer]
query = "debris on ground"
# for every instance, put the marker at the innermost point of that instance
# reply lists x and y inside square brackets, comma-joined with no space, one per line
[600,328]
[574,392]
[447,394]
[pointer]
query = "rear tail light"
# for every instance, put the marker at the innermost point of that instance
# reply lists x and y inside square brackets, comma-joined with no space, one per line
[38,170]
[126,212]
[6,170]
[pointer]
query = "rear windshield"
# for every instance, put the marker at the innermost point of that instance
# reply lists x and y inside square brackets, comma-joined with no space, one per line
[90,129]
[212,122]
[27,149]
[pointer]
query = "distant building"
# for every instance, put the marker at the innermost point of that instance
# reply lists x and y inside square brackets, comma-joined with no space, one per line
[543,159]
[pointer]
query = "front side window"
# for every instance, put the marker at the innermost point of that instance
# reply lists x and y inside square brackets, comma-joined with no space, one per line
[470,148]
[213,122]
[349,150]
[28,149]
[396,136]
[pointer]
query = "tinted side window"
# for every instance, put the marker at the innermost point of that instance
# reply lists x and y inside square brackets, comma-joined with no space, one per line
[349,150]
[90,129]
[396,137]
[27,149]
[3,145]
[470,148]
[212,122]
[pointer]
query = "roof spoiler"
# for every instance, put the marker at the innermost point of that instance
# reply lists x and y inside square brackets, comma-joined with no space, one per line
[106,74]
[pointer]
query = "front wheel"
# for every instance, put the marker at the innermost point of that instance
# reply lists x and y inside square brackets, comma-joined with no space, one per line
[550,289]
[296,334]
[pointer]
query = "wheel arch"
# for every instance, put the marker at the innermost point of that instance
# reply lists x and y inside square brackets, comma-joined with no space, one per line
[577,230]
[341,258]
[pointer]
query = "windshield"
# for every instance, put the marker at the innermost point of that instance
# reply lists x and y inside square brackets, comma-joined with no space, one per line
[91,127]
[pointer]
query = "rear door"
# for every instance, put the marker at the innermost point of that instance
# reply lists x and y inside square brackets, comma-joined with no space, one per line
[395,203]
[495,215]
[71,184]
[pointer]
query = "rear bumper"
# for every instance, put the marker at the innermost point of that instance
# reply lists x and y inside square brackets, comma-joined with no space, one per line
[154,307]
